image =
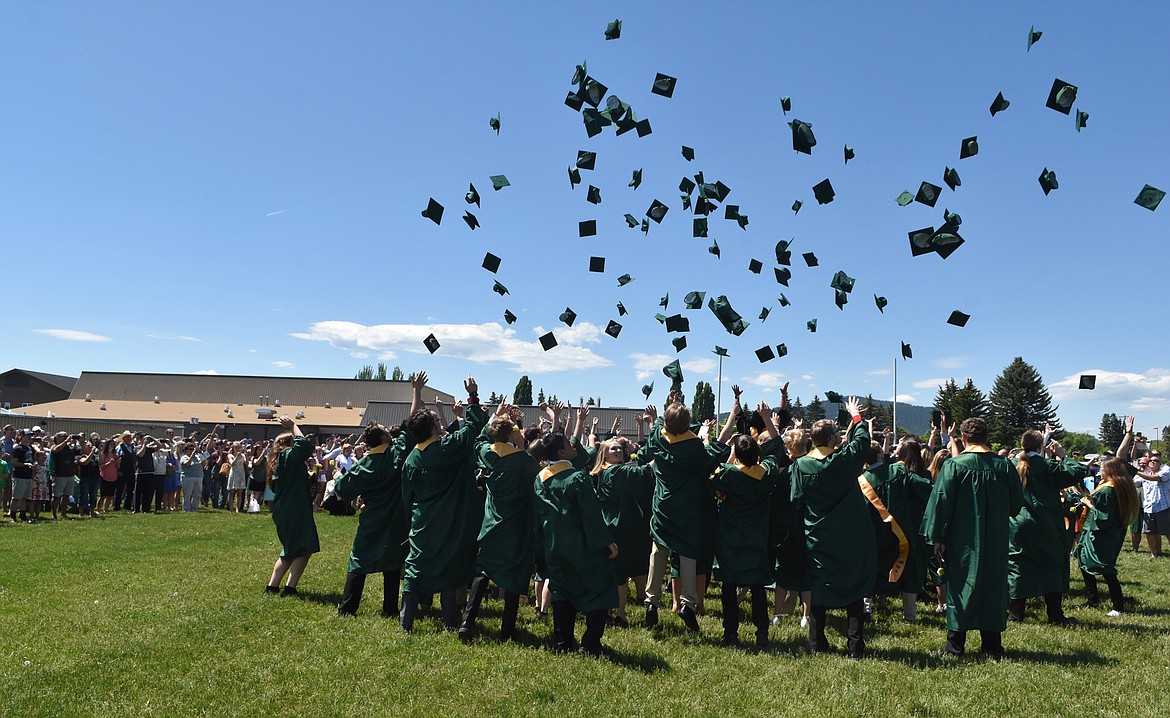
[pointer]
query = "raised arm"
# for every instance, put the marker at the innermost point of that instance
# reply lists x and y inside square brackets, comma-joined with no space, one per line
[1128,445]
[729,426]
[770,432]
[417,382]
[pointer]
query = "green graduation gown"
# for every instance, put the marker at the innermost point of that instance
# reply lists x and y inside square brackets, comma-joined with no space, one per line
[1103,533]
[379,544]
[682,469]
[438,486]
[1038,543]
[576,539]
[505,535]
[969,509]
[626,492]
[838,533]
[292,505]
[742,540]
[905,494]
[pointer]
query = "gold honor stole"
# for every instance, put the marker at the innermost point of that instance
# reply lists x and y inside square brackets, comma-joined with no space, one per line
[903,544]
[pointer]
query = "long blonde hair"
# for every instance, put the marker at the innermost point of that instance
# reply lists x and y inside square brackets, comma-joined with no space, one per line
[936,463]
[279,444]
[1113,473]
[600,462]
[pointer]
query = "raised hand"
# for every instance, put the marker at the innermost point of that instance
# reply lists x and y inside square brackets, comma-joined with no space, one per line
[419,380]
[471,386]
[853,406]
[457,409]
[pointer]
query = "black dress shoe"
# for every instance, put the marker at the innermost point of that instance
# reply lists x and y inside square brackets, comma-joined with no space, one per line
[271,589]
[687,614]
[288,591]
[651,616]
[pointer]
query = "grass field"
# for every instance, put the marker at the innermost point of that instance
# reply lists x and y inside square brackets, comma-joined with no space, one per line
[165,616]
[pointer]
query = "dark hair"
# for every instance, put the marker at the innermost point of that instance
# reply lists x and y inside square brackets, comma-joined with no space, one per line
[531,434]
[823,432]
[421,424]
[1032,440]
[374,435]
[910,453]
[747,451]
[974,431]
[677,418]
[548,447]
[500,428]
[875,452]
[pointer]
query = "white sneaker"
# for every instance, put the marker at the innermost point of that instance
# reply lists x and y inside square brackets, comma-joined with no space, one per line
[1113,614]
[804,621]
[776,620]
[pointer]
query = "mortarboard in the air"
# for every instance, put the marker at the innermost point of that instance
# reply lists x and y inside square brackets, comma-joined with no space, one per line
[597,264]
[755,266]
[881,303]
[999,104]
[595,122]
[1048,181]
[471,220]
[782,350]
[431,343]
[1033,37]
[686,201]
[688,153]
[636,182]
[647,389]
[728,317]
[495,123]
[969,148]
[613,30]
[548,341]
[783,301]
[588,228]
[849,154]
[811,325]
[951,178]
[731,211]
[714,249]
[905,198]
[842,282]
[663,85]
[657,211]
[783,274]
[613,329]
[1150,197]
[499,182]
[840,299]
[764,312]
[823,191]
[694,300]
[499,289]
[434,211]
[472,196]
[624,280]
[580,72]
[631,220]
[621,309]
[664,302]
[645,226]
[907,353]
[796,205]
[927,194]
[586,160]
[661,318]
[783,254]
[1081,120]
[803,139]
[574,177]
[958,318]
[509,317]
[720,351]
[568,316]
[786,104]
[593,196]
[686,186]
[491,262]
[643,127]
[574,100]
[920,241]
[703,206]
[765,354]
[592,91]
[677,323]
[834,398]
[1088,381]
[946,239]
[1062,96]
[844,418]
[680,343]
[699,227]
[674,371]
[810,259]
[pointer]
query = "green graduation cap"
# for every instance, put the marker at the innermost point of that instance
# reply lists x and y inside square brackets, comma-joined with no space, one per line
[645,226]
[765,354]
[781,350]
[677,323]
[783,254]
[783,301]
[755,266]
[663,85]
[661,318]
[580,72]
[509,317]
[631,221]
[574,100]
[764,312]
[574,177]
[786,104]
[810,259]
[1033,37]
[688,153]
[1048,181]
[434,211]
[657,211]
[720,351]
[834,398]
[881,303]
[842,282]
[951,178]
[783,274]
[647,389]
[1062,96]
[969,148]
[699,227]
[592,91]
[727,316]
[636,182]
[849,154]
[674,371]
[568,316]
[621,308]
[495,123]
[905,198]
[920,241]
[680,343]
[796,205]
[958,318]
[1081,120]
[686,186]
[694,300]
[595,122]
[613,30]
[624,280]
[811,325]
[721,191]
[643,127]
[1150,197]
[907,352]
[714,248]
[593,195]
[491,262]
[927,194]
[803,139]
[951,220]
[664,302]
[472,197]
[499,289]
[840,299]
[823,191]
[946,240]
[586,159]
[597,264]
[587,228]
[548,341]
[999,104]
[613,329]
[499,182]
[471,220]
[615,110]
[431,343]
[686,201]
[1087,382]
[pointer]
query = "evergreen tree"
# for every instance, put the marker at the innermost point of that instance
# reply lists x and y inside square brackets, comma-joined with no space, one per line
[522,396]
[796,409]
[397,374]
[815,411]
[945,398]
[1112,431]
[703,406]
[966,403]
[493,399]
[1018,402]
[540,397]
[883,416]
[869,408]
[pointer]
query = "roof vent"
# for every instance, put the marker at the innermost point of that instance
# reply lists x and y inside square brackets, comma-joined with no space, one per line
[327,405]
[102,406]
[156,401]
[276,403]
[88,397]
[269,414]
[300,415]
[349,405]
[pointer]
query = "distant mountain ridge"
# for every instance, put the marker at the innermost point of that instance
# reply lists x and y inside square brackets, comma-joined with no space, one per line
[911,417]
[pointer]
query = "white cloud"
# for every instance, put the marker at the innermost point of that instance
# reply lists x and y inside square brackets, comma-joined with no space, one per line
[174,336]
[283,364]
[906,399]
[806,377]
[645,365]
[765,379]
[951,362]
[253,351]
[931,383]
[72,335]
[1146,392]
[879,372]
[480,343]
[208,372]
[701,366]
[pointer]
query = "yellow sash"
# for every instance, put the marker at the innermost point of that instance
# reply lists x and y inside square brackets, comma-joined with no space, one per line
[903,544]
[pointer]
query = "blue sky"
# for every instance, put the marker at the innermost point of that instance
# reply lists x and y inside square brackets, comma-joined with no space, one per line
[237,188]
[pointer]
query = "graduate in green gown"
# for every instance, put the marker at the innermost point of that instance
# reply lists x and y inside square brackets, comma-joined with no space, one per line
[506,532]
[292,506]
[839,537]
[967,517]
[785,519]
[438,488]
[578,548]
[905,493]
[1038,544]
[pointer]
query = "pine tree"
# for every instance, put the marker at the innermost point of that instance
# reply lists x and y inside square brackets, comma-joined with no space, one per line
[945,398]
[967,402]
[493,399]
[796,409]
[815,411]
[540,397]
[397,374]
[703,406]
[1019,402]
[1112,430]
[522,396]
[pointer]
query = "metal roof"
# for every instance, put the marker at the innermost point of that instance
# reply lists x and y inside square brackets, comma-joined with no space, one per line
[172,412]
[64,383]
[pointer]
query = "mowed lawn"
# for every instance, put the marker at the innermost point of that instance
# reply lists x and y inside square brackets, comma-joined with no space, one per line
[165,616]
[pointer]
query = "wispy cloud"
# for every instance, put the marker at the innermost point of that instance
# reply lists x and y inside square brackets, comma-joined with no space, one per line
[1146,392]
[931,383]
[480,343]
[283,364]
[766,379]
[208,372]
[951,362]
[806,377]
[178,337]
[906,399]
[879,372]
[72,335]
[646,365]
[701,366]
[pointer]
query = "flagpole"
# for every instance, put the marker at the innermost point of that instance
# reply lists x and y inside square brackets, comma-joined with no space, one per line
[719,395]
[894,403]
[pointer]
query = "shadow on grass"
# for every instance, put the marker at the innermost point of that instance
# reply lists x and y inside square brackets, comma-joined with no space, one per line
[923,660]
[325,598]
